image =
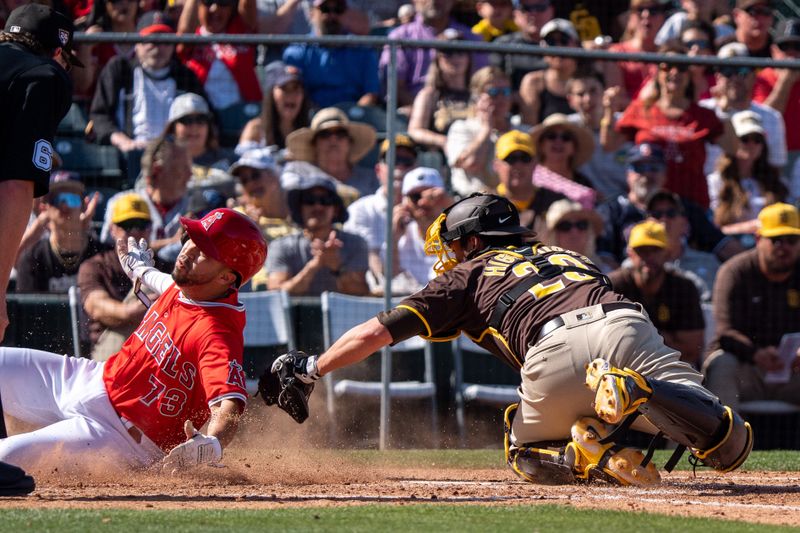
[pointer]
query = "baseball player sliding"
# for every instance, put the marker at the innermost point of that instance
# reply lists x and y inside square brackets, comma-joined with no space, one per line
[583,352]
[181,368]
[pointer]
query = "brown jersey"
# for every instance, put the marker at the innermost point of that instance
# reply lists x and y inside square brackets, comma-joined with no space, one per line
[463,299]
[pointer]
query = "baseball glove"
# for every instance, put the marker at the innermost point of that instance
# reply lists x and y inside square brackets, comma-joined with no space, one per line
[284,389]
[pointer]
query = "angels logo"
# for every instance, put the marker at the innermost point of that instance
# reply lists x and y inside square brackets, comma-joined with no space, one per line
[210,219]
[63,37]
[235,375]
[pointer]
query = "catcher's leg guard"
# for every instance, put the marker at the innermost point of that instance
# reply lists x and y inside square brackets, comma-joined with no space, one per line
[715,434]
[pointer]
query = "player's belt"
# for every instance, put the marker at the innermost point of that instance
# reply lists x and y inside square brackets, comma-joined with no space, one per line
[551,325]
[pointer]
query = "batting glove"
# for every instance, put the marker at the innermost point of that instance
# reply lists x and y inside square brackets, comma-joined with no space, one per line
[304,366]
[136,259]
[198,450]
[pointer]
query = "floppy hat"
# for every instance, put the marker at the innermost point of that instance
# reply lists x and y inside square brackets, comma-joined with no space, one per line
[301,142]
[583,137]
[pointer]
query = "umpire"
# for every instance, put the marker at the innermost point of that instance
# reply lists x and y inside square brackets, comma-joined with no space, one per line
[35,94]
[582,350]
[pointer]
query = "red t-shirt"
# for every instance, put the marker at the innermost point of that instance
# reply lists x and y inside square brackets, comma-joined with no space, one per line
[183,357]
[765,82]
[634,73]
[683,140]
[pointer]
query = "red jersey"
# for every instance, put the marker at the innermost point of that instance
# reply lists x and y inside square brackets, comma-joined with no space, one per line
[683,140]
[765,82]
[183,357]
[634,73]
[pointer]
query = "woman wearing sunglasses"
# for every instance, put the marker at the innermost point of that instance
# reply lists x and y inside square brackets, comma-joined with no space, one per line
[745,182]
[572,227]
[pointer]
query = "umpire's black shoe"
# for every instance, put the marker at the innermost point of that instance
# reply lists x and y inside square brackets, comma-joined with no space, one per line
[14,481]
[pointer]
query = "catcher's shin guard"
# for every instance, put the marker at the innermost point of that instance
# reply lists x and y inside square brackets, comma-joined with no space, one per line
[713,432]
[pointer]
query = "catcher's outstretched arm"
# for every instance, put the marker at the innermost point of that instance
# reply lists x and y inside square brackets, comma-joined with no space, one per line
[355,345]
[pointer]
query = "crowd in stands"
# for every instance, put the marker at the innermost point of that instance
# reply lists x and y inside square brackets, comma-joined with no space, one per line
[679,182]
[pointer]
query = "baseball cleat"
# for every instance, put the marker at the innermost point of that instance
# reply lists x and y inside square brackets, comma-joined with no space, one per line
[618,393]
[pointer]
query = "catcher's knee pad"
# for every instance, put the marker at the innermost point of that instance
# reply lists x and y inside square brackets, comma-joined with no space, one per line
[618,393]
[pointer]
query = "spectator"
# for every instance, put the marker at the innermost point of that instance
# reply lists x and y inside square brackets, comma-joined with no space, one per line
[263,198]
[133,96]
[745,182]
[561,148]
[694,11]
[424,198]
[113,309]
[51,264]
[332,75]
[496,19]
[166,171]
[779,88]
[192,125]
[336,145]
[470,142]
[432,18]
[700,267]
[594,18]
[753,20]
[405,14]
[670,117]
[368,215]
[670,299]
[445,97]
[697,38]
[735,93]
[646,19]
[605,170]
[646,176]
[226,70]
[285,109]
[514,164]
[570,226]
[319,258]
[543,92]
[529,16]
[755,304]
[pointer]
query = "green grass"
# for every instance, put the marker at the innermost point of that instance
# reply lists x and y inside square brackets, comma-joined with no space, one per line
[371,518]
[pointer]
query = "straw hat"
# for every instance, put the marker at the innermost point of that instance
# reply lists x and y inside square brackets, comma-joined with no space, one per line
[300,142]
[583,137]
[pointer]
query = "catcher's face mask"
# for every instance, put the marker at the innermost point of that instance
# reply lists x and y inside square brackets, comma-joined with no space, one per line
[435,245]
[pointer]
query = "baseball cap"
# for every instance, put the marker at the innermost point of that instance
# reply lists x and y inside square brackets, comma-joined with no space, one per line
[401,140]
[188,104]
[513,141]
[421,178]
[747,122]
[258,158]
[645,152]
[278,74]
[154,22]
[787,31]
[735,49]
[46,25]
[66,181]
[562,25]
[129,207]
[648,233]
[744,4]
[779,219]
[668,196]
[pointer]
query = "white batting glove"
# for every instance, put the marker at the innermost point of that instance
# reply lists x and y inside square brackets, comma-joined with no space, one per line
[303,366]
[135,258]
[198,450]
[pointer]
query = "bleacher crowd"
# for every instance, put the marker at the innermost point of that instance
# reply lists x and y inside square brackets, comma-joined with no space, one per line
[679,182]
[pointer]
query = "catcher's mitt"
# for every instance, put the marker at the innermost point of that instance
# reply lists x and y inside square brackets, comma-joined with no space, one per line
[285,390]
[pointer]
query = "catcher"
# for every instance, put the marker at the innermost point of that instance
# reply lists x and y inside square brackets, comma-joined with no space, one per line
[590,361]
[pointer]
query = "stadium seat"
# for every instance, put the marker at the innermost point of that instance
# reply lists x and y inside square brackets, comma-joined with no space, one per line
[97,165]
[74,123]
[268,332]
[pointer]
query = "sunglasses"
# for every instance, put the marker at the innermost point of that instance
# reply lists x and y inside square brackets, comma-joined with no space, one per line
[518,157]
[191,120]
[661,214]
[134,224]
[730,72]
[786,240]
[247,175]
[498,91]
[752,138]
[790,46]
[666,67]
[535,8]
[652,10]
[327,134]
[335,9]
[557,39]
[565,225]
[315,199]
[759,11]
[69,200]
[647,168]
[565,136]
[703,44]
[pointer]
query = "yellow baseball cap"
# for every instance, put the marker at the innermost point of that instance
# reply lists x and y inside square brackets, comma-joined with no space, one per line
[779,219]
[128,207]
[513,141]
[648,233]
[401,140]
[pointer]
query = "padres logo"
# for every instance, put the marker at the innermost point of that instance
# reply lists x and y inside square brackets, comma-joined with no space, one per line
[793,298]
[663,313]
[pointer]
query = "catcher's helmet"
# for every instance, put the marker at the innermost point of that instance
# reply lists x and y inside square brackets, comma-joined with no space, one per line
[481,214]
[231,238]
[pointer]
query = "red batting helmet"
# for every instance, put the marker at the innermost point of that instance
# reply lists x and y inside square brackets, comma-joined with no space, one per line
[231,238]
